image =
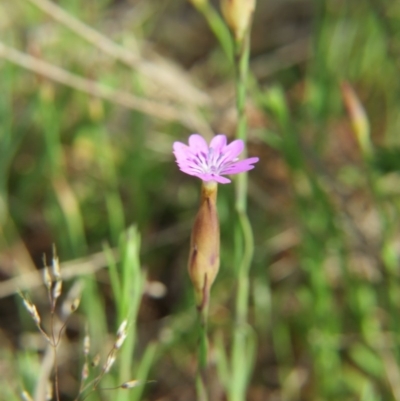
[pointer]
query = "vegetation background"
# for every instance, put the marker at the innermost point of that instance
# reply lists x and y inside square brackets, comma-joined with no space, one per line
[91,100]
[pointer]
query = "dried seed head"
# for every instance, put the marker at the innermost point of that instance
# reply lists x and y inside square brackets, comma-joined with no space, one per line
[47,278]
[122,328]
[203,262]
[120,340]
[95,360]
[86,344]
[56,291]
[110,361]
[134,383]
[56,265]
[85,371]
[121,334]
[32,311]
[238,15]
[75,304]
[131,384]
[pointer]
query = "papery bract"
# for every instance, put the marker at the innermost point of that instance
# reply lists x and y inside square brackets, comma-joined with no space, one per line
[211,163]
[203,261]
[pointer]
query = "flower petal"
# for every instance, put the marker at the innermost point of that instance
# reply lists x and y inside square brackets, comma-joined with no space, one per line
[214,177]
[221,180]
[181,151]
[218,143]
[240,166]
[210,164]
[198,144]
[233,150]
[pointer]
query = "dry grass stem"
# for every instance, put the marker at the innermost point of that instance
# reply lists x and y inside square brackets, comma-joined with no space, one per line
[93,88]
[70,269]
[165,76]
[46,368]
[296,52]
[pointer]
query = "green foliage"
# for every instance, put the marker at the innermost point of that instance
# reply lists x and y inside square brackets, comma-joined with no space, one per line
[306,303]
[387,160]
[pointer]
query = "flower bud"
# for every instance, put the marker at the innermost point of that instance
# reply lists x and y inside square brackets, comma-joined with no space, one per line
[238,15]
[204,245]
[358,118]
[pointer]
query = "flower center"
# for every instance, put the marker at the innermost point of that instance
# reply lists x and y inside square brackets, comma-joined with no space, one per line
[212,162]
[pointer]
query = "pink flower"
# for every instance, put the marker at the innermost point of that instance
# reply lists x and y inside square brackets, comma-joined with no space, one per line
[210,163]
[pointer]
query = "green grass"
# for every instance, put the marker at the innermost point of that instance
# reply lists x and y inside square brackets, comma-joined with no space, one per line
[89,175]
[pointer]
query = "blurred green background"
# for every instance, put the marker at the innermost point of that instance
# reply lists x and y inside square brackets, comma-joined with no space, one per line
[91,100]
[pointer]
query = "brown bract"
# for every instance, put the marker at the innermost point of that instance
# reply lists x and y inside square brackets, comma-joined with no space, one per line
[203,262]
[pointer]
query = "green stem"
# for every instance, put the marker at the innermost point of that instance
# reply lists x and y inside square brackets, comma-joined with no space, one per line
[240,372]
[242,295]
[201,378]
[242,61]
[242,68]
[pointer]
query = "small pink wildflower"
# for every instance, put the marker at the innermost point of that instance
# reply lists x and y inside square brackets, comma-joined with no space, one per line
[210,163]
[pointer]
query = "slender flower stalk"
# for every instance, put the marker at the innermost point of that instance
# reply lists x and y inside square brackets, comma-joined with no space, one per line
[210,163]
[238,15]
